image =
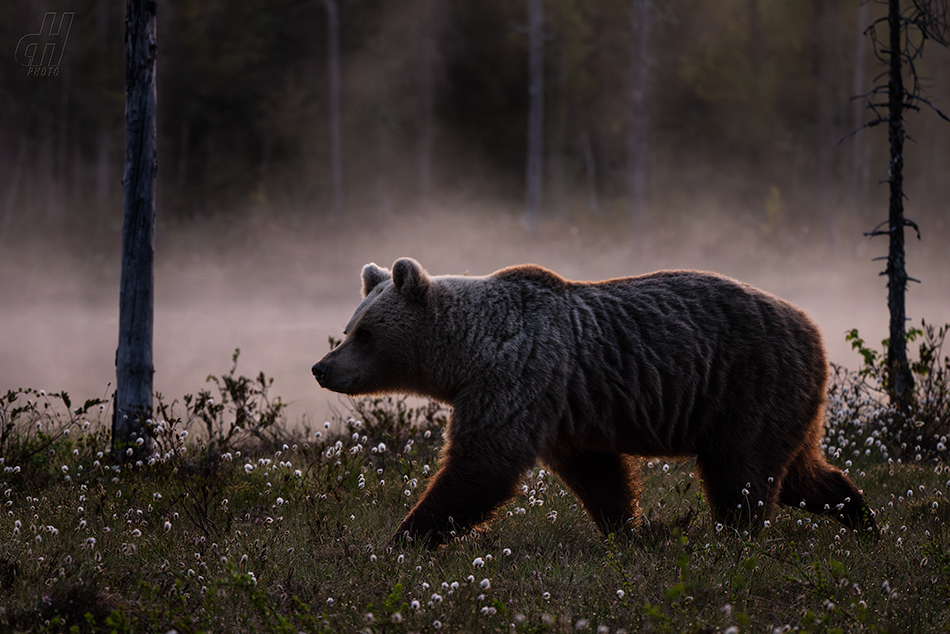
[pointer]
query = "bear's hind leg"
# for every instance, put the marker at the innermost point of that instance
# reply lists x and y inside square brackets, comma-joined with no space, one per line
[739,494]
[607,485]
[825,489]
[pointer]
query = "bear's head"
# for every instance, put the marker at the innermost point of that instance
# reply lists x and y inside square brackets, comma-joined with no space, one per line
[381,349]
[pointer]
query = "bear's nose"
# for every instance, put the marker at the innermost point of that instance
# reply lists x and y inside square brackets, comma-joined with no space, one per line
[319,370]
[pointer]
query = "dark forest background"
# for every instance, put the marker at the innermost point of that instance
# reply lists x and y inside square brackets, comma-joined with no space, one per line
[745,103]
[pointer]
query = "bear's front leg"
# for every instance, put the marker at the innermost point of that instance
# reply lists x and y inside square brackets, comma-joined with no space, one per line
[462,495]
[607,484]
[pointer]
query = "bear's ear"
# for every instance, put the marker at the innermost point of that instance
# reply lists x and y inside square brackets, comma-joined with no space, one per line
[410,279]
[373,275]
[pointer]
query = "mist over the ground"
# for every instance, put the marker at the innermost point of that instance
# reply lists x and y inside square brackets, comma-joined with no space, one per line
[717,142]
[277,289]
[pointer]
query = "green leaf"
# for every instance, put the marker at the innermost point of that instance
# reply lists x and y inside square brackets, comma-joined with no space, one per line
[837,567]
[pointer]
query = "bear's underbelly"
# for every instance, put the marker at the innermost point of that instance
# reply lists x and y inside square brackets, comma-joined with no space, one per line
[650,410]
[635,426]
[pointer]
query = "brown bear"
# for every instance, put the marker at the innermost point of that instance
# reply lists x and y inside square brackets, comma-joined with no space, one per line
[587,375]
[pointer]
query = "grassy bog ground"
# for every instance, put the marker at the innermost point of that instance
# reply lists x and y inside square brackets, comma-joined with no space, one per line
[233,525]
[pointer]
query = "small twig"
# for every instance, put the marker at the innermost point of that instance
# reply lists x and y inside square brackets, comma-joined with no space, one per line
[875,232]
[927,102]
[911,223]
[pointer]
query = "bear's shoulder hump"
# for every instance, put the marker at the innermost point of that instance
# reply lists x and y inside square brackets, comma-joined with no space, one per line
[531,273]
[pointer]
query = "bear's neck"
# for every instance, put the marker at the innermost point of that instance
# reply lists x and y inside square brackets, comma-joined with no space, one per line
[469,325]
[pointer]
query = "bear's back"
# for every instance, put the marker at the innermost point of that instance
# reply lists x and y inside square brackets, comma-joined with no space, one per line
[667,352]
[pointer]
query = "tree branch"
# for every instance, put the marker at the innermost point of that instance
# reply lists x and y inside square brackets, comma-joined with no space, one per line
[937,110]
[932,20]
[869,124]
[911,223]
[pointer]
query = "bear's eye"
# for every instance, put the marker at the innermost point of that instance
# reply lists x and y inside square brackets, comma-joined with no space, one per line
[363,334]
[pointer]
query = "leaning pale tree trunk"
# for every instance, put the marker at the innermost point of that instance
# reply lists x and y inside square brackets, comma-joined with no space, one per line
[641,32]
[336,100]
[134,370]
[534,172]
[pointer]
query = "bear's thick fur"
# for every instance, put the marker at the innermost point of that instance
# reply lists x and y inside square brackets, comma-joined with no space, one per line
[585,376]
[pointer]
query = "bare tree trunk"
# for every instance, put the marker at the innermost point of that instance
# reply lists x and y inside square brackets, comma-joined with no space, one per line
[103,174]
[902,380]
[102,23]
[134,369]
[859,169]
[557,150]
[641,31]
[184,141]
[590,172]
[60,183]
[827,138]
[103,141]
[46,177]
[939,135]
[383,180]
[939,183]
[13,188]
[754,15]
[336,99]
[906,33]
[534,176]
[428,61]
